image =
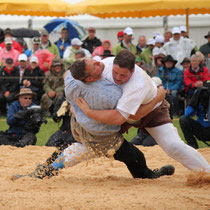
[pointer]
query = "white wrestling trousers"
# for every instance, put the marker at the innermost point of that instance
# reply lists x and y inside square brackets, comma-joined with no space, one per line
[168,139]
[75,154]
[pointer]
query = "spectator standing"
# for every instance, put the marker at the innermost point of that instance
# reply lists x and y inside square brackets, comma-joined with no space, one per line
[46,43]
[9,84]
[63,42]
[91,42]
[205,48]
[167,36]
[36,41]
[179,47]
[142,44]
[126,43]
[53,85]
[8,52]
[22,65]
[195,75]
[120,36]
[183,31]
[146,55]
[8,34]
[33,78]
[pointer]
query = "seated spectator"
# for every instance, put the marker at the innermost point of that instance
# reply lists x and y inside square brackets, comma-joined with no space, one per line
[33,78]
[22,43]
[79,54]
[167,36]
[205,48]
[8,34]
[36,41]
[53,85]
[16,122]
[47,44]
[69,54]
[172,80]
[195,75]
[198,105]
[1,36]
[91,42]
[158,56]
[63,42]
[142,44]
[45,58]
[23,63]
[106,45]
[106,54]
[8,52]
[146,54]
[63,137]
[185,63]
[9,84]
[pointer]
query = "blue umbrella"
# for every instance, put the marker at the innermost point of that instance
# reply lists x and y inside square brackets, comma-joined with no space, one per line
[75,30]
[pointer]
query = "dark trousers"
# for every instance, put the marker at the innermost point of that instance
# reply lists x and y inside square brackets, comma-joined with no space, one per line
[134,160]
[191,129]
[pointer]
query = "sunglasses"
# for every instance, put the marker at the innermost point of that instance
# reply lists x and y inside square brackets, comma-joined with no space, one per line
[27,98]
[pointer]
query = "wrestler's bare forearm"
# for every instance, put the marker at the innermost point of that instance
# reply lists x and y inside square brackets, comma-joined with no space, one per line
[105,116]
[145,109]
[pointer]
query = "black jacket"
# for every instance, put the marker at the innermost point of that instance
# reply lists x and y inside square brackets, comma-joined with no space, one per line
[90,45]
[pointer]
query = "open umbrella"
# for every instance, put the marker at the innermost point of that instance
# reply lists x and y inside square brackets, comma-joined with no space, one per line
[75,30]
[25,32]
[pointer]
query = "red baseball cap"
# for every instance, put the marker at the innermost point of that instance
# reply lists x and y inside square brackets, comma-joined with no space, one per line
[120,33]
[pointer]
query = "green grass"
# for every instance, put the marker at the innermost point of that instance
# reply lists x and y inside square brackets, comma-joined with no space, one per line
[48,129]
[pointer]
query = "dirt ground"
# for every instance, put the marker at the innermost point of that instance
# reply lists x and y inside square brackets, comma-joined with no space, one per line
[99,184]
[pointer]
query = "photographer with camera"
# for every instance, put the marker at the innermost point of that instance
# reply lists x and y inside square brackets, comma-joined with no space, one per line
[24,120]
[199,105]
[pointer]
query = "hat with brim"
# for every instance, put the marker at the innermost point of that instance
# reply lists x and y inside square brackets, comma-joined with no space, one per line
[185,60]
[208,35]
[169,58]
[25,91]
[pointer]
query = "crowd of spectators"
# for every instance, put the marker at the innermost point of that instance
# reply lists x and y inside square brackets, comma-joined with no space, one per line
[173,57]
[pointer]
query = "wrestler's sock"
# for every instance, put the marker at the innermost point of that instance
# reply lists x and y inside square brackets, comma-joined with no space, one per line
[59,162]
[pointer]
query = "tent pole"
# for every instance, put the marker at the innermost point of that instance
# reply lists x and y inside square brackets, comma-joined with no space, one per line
[187,21]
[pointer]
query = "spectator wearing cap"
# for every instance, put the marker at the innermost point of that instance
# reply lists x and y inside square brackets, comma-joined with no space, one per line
[9,84]
[106,46]
[46,43]
[179,47]
[8,34]
[33,78]
[120,36]
[69,54]
[22,65]
[185,63]
[8,52]
[195,75]
[146,55]
[91,42]
[172,80]
[205,48]
[22,43]
[36,41]
[158,56]
[167,36]
[53,85]
[142,44]
[183,31]
[126,43]
[63,42]
[158,48]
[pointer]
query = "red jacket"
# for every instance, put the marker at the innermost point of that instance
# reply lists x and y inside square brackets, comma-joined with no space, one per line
[191,77]
[15,45]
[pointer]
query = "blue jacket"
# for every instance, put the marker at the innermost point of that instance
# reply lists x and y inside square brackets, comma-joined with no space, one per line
[172,79]
[190,112]
[58,43]
[15,127]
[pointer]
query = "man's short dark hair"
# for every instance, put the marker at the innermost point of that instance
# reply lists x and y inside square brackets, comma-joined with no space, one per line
[125,59]
[77,70]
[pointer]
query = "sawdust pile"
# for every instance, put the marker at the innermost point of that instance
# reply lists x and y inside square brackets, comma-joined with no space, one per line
[99,184]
